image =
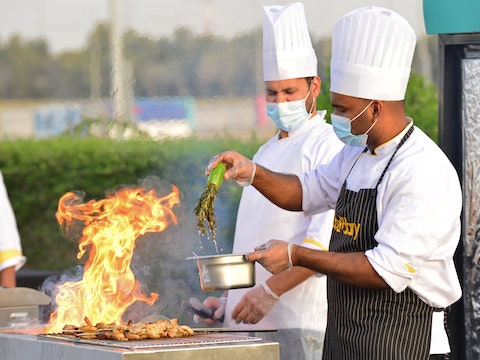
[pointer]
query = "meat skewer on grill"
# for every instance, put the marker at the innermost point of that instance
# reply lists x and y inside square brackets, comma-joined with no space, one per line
[130,331]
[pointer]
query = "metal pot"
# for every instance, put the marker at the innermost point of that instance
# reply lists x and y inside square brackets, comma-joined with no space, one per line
[223,272]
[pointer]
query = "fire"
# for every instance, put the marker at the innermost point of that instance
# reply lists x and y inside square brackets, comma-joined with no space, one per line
[111,226]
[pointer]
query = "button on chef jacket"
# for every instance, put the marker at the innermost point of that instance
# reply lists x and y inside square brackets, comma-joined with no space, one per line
[259,220]
[419,204]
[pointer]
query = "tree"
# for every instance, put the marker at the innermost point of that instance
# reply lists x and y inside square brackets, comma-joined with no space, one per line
[26,69]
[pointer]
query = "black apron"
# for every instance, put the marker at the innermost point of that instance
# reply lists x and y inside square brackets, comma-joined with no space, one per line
[367,323]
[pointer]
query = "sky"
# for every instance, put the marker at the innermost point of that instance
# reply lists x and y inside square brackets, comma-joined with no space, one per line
[66,24]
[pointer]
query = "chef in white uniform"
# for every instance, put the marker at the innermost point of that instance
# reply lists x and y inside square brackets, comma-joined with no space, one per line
[11,258]
[293,302]
[397,200]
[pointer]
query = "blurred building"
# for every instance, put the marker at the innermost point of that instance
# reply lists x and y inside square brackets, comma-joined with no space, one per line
[156,117]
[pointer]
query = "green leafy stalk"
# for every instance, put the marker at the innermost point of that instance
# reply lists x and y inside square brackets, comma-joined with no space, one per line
[205,208]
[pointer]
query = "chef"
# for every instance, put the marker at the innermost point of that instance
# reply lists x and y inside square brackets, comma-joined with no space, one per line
[293,303]
[397,200]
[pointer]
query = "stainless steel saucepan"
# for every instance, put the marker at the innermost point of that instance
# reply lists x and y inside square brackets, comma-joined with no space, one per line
[223,272]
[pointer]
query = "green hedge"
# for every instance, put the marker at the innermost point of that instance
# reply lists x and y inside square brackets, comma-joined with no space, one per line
[38,173]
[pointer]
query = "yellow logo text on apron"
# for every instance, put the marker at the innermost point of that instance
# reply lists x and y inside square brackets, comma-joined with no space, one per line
[340,224]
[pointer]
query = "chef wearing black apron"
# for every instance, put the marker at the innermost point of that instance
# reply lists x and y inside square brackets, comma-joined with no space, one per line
[353,332]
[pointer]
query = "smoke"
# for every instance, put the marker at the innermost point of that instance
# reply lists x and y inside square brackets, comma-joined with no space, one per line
[50,288]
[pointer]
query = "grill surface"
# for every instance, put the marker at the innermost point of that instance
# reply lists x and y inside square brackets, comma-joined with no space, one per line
[197,339]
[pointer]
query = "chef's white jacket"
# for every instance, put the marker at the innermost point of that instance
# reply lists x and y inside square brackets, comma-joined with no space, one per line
[259,220]
[419,204]
[10,246]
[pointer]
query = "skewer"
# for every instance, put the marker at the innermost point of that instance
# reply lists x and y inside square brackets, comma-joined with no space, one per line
[72,331]
[88,335]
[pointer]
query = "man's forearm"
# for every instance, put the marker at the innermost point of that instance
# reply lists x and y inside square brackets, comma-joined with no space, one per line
[288,279]
[350,268]
[283,190]
[8,277]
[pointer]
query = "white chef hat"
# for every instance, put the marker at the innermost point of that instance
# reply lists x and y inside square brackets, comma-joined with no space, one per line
[372,52]
[287,48]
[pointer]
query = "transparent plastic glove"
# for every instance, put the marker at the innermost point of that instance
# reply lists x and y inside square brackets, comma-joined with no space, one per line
[216,304]
[239,168]
[254,305]
[275,256]
[249,181]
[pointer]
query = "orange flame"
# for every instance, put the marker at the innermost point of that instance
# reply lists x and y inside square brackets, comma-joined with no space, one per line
[111,226]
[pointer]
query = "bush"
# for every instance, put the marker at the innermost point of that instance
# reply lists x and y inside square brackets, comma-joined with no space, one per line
[38,173]
[421,104]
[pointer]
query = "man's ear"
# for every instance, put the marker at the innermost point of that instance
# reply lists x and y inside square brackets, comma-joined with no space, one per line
[316,86]
[377,107]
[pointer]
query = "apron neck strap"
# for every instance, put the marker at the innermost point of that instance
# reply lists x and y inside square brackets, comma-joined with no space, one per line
[405,137]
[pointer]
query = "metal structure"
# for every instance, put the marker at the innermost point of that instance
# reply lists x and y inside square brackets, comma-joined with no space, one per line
[122,71]
[458,27]
[459,126]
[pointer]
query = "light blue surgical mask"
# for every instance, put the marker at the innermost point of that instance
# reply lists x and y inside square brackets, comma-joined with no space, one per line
[289,115]
[343,128]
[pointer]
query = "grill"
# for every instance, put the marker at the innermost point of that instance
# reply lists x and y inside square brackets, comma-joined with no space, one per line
[20,306]
[199,339]
[16,345]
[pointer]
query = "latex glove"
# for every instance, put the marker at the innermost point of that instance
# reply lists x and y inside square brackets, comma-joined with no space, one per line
[239,168]
[217,304]
[254,305]
[275,256]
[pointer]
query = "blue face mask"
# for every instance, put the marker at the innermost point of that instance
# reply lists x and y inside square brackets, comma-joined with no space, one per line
[289,115]
[343,129]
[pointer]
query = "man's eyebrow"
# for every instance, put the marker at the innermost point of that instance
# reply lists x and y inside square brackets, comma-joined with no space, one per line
[287,89]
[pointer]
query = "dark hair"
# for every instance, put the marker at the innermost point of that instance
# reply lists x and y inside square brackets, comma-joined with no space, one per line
[309,80]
